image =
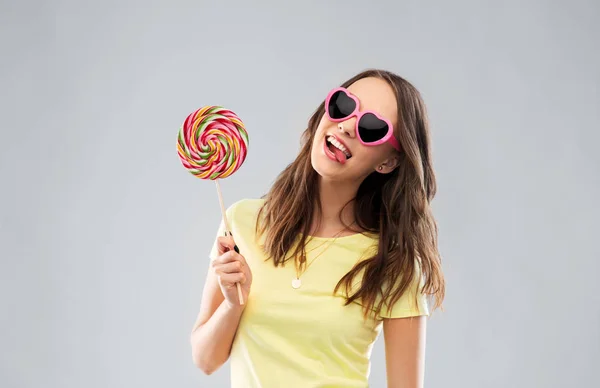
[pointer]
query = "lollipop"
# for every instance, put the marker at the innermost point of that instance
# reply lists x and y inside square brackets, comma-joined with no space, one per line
[212,144]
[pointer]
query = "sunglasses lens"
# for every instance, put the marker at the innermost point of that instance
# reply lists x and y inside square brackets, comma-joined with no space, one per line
[372,129]
[340,105]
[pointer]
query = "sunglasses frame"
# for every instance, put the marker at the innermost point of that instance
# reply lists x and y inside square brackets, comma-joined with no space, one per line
[389,136]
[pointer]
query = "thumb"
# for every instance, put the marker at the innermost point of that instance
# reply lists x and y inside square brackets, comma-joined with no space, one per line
[226,243]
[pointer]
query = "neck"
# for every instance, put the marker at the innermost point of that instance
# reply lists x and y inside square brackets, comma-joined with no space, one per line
[333,197]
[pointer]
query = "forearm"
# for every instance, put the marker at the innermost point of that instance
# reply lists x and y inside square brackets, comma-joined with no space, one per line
[211,342]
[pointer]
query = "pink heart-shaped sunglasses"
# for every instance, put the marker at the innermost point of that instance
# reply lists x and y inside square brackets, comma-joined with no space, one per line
[371,128]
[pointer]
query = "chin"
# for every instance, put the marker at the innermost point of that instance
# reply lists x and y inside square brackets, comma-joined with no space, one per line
[326,168]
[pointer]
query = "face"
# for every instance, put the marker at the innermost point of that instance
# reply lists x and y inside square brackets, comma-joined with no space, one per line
[373,94]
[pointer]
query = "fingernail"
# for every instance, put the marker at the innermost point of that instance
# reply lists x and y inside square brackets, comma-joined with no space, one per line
[236,249]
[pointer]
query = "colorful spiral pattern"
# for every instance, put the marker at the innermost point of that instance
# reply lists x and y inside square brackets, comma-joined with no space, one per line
[212,143]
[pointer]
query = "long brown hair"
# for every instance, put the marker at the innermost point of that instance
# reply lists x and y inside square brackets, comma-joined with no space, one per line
[395,206]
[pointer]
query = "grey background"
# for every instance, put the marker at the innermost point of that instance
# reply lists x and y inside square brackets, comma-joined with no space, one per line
[104,236]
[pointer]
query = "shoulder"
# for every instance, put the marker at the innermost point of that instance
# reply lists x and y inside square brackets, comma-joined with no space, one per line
[413,302]
[246,208]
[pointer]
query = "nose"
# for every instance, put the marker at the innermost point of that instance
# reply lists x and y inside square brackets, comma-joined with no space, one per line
[347,127]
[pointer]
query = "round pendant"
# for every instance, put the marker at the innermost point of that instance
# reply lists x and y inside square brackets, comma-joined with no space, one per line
[296,283]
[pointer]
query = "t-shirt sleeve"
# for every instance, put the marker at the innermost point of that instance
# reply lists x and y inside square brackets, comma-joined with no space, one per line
[408,305]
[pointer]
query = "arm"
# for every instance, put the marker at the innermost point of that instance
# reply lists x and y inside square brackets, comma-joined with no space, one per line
[215,327]
[220,312]
[405,351]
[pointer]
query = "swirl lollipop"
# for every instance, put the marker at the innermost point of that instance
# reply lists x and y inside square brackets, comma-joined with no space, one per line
[212,144]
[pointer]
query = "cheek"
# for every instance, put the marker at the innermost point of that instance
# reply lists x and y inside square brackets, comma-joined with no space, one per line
[370,156]
[366,156]
[317,141]
[322,124]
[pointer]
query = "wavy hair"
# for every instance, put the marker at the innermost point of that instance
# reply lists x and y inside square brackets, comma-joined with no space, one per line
[395,206]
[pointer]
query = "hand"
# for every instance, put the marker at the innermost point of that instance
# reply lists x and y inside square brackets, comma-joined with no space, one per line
[231,268]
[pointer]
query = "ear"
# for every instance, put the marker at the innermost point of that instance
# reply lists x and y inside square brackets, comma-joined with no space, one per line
[388,165]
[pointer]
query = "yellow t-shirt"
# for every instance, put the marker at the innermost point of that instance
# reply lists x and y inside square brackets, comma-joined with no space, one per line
[303,337]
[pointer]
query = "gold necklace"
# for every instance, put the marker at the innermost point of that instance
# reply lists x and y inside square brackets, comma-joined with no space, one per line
[297,283]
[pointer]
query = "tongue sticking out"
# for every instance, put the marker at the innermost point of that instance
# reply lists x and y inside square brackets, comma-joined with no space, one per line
[339,155]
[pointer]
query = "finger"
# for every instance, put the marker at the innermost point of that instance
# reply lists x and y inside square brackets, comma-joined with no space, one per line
[228,257]
[225,244]
[230,279]
[235,247]
[231,267]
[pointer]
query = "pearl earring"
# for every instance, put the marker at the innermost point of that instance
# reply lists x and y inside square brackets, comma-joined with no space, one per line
[380,168]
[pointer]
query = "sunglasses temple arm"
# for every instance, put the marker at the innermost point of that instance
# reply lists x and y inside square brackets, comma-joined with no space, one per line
[394,143]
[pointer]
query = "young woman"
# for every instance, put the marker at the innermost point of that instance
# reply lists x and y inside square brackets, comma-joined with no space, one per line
[343,245]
